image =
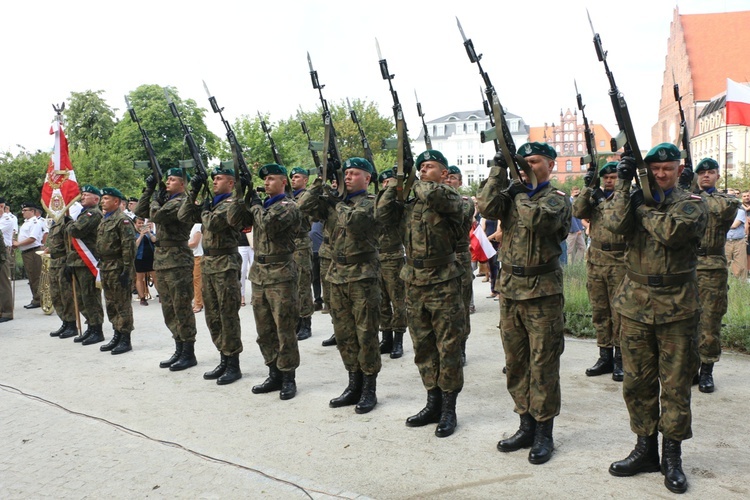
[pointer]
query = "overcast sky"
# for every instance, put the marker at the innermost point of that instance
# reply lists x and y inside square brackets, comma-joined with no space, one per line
[252,55]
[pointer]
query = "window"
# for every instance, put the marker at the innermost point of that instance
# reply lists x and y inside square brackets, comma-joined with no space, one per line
[470,178]
[557,137]
[434,130]
[730,139]
[441,130]
[481,159]
[580,148]
[465,128]
[459,160]
[601,143]
[569,165]
[458,145]
[579,136]
[486,125]
[470,159]
[583,167]
[481,177]
[476,127]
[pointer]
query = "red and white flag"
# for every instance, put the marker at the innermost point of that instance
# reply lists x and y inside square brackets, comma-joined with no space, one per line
[481,248]
[60,189]
[738,103]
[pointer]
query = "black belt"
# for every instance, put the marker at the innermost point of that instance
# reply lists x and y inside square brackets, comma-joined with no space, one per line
[706,251]
[609,247]
[462,249]
[433,262]
[356,259]
[215,252]
[31,249]
[523,271]
[661,279]
[270,259]
[58,255]
[171,243]
[394,248]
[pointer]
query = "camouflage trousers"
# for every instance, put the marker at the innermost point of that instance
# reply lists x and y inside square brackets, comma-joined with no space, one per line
[61,293]
[221,299]
[532,333]
[602,283]
[659,365]
[392,296]
[436,325]
[325,264]
[712,289]
[119,301]
[467,289]
[89,297]
[303,259]
[355,313]
[175,287]
[275,308]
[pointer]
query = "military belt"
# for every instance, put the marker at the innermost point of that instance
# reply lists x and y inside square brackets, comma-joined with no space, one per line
[391,249]
[58,255]
[171,243]
[462,248]
[31,249]
[356,259]
[662,279]
[270,259]
[215,252]
[524,271]
[609,247]
[433,262]
[706,251]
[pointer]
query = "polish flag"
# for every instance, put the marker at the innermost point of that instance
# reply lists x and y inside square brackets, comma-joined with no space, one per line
[60,189]
[481,248]
[738,103]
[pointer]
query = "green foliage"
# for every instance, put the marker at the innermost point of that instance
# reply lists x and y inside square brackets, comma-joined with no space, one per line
[101,166]
[88,119]
[570,183]
[22,176]
[577,305]
[735,331]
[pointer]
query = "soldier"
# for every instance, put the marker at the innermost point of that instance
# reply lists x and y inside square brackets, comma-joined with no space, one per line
[712,269]
[535,222]
[392,287]
[273,275]
[29,242]
[173,264]
[303,258]
[658,304]
[221,269]
[6,292]
[81,265]
[115,244]
[432,274]
[60,289]
[605,268]
[353,275]
[325,255]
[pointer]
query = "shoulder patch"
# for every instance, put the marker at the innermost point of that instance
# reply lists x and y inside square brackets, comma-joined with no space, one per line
[89,214]
[688,208]
[695,197]
[126,221]
[553,202]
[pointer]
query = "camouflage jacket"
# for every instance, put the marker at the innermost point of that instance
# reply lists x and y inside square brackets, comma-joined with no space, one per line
[391,237]
[218,234]
[464,239]
[302,239]
[310,207]
[169,229]
[584,207]
[433,221]
[56,244]
[4,250]
[115,242]
[85,228]
[534,225]
[661,241]
[722,210]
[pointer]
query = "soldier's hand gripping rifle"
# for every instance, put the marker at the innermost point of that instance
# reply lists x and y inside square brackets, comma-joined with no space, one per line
[625,139]
[591,157]
[687,179]
[405,171]
[152,161]
[365,143]
[427,140]
[503,139]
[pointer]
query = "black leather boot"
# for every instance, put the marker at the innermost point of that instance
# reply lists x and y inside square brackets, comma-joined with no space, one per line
[57,332]
[617,373]
[541,450]
[671,466]
[603,365]
[368,399]
[351,394]
[124,344]
[218,371]
[272,383]
[463,352]
[232,373]
[69,331]
[523,438]
[95,336]
[178,346]
[448,420]
[643,458]
[706,383]
[186,359]
[386,345]
[305,329]
[430,414]
[112,343]
[398,345]
[80,338]
[288,385]
[329,341]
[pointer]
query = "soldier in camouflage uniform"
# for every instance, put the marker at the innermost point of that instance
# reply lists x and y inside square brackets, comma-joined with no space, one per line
[173,264]
[658,303]
[303,258]
[605,266]
[353,275]
[273,275]
[392,287]
[60,288]
[535,222]
[712,269]
[115,244]
[221,269]
[89,297]
[325,255]
[432,275]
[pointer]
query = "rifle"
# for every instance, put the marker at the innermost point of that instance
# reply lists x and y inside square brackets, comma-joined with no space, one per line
[503,140]
[625,139]
[591,157]
[427,140]
[365,143]
[245,175]
[684,138]
[267,131]
[313,147]
[192,146]
[405,171]
[330,146]
[155,168]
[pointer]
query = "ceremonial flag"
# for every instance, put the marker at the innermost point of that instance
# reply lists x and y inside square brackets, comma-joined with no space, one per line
[481,248]
[738,103]
[60,189]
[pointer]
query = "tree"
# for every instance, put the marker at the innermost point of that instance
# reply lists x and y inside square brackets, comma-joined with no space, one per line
[22,176]
[88,119]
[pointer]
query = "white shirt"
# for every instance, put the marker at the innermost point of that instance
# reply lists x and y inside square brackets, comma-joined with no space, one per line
[198,250]
[8,226]
[33,227]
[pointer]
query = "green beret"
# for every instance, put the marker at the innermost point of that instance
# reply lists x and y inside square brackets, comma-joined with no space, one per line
[221,170]
[30,204]
[178,172]
[113,192]
[271,169]
[359,163]
[454,170]
[537,148]
[707,164]
[431,155]
[299,170]
[666,151]
[88,188]
[386,174]
[608,168]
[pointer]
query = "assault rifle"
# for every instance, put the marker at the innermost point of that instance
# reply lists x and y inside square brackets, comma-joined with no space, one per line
[588,134]
[427,140]
[365,143]
[192,146]
[687,180]
[313,147]
[267,131]
[152,161]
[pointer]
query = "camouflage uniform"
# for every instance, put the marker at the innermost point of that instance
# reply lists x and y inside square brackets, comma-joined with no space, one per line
[392,287]
[115,244]
[325,254]
[303,259]
[60,288]
[463,256]
[6,288]
[87,294]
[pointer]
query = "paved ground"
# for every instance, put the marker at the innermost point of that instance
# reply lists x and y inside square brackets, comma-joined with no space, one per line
[78,423]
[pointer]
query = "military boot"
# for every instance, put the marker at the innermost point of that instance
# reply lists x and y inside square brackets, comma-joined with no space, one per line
[643,458]
[178,346]
[368,399]
[617,373]
[398,344]
[671,466]
[272,383]
[232,373]
[57,332]
[603,365]
[448,420]
[124,344]
[218,371]
[463,352]
[706,383]
[112,343]
[95,336]
[351,394]
[305,329]
[430,414]
[288,385]
[541,450]
[186,359]
[523,438]
[69,331]
[329,341]
[80,338]
[386,345]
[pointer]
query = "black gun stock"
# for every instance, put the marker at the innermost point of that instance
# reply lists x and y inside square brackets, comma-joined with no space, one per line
[267,131]
[591,157]
[684,139]
[427,139]
[153,162]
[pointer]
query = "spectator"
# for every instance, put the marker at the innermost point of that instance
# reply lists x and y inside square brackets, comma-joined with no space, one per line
[576,241]
[746,207]
[196,244]
[736,246]
[30,240]
[144,257]
[495,235]
[316,235]
[246,252]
